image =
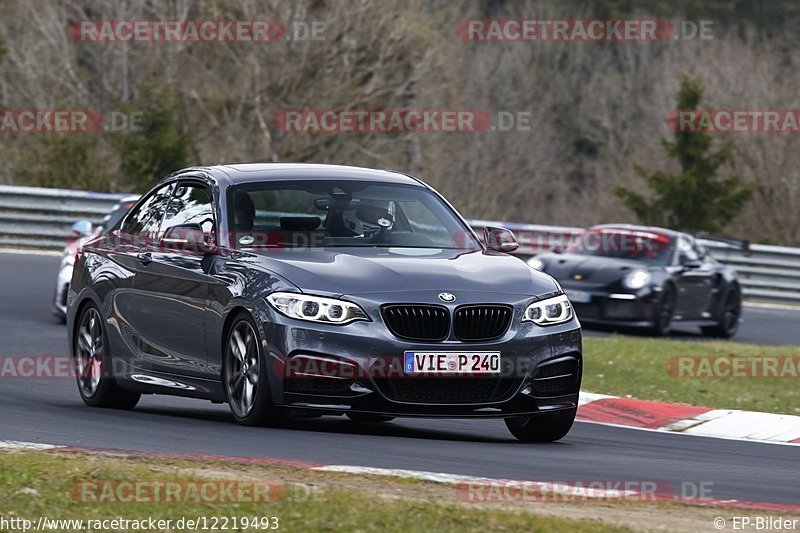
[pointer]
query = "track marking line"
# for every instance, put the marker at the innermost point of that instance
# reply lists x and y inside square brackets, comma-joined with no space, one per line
[680,433]
[18,445]
[731,424]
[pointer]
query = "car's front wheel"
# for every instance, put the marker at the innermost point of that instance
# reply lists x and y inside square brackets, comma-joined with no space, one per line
[663,312]
[93,366]
[728,322]
[545,427]
[245,376]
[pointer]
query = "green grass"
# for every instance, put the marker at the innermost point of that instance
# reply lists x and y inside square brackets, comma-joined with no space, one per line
[345,507]
[638,367]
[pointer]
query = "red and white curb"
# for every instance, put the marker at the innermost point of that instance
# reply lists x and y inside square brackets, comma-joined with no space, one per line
[689,420]
[484,490]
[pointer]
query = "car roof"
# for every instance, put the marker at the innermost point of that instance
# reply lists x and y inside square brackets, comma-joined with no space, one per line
[672,234]
[234,174]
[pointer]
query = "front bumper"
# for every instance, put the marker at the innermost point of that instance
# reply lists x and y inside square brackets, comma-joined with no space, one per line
[359,368]
[603,306]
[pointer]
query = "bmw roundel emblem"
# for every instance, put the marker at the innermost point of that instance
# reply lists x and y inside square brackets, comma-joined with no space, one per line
[446,297]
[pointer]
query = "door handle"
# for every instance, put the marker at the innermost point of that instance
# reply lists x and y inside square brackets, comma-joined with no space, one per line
[144,257]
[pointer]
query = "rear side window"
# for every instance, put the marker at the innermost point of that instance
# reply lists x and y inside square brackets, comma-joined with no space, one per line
[145,221]
[687,252]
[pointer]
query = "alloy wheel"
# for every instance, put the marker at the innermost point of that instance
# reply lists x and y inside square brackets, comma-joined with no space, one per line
[89,352]
[242,368]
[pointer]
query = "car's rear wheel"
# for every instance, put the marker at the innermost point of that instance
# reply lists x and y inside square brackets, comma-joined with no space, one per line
[368,418]
[546,427]
[93,366]
[663,312]
[728,321]
[245,376]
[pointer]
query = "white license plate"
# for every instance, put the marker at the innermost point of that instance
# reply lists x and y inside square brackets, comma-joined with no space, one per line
[452,362]
[578,297]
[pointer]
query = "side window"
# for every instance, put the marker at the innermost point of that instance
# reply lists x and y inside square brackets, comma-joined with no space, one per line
[144,222]
[686,251]
[191,204]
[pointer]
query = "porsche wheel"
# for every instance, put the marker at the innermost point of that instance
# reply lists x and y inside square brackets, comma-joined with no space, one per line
[728,321]
[663,312]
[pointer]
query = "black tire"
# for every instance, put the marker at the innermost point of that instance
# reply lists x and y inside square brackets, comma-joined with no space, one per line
[248,372]
[664,312]
[728,321]
[547,427]
[93,365]
[367,418]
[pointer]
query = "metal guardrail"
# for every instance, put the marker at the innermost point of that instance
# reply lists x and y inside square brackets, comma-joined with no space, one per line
[766,273]
[32,217]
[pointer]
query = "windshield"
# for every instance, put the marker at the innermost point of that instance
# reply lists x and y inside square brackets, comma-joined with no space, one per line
[649,247]
[339,213]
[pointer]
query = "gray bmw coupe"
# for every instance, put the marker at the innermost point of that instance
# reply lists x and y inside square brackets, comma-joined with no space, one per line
[305,290]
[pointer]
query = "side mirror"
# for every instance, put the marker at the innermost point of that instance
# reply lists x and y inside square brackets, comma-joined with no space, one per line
[500,239]
[692,264]
[187,237]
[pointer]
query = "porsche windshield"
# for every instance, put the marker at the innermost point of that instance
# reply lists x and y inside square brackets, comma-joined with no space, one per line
[654,248]
[317,213]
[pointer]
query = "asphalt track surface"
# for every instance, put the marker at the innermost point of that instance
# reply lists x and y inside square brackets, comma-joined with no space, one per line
[50,411]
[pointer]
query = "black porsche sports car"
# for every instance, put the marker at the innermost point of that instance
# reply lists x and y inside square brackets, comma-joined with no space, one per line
[287,289]
[649,277]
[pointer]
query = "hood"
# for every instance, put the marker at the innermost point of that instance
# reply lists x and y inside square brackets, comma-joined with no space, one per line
[368,270]
[590,269]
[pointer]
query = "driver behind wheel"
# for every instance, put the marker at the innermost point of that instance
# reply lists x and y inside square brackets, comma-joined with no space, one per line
[369,218]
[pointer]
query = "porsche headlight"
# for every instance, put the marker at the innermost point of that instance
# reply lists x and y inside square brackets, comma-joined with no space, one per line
[556,310]
[316,308]
[637,279]
[536,263]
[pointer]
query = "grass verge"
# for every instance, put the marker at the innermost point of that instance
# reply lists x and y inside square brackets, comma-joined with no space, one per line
[640,367]
[36,484]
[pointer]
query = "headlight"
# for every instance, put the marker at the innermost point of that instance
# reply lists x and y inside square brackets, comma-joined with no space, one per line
[637,279]
[536,263]
[556,310]
[316,308]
